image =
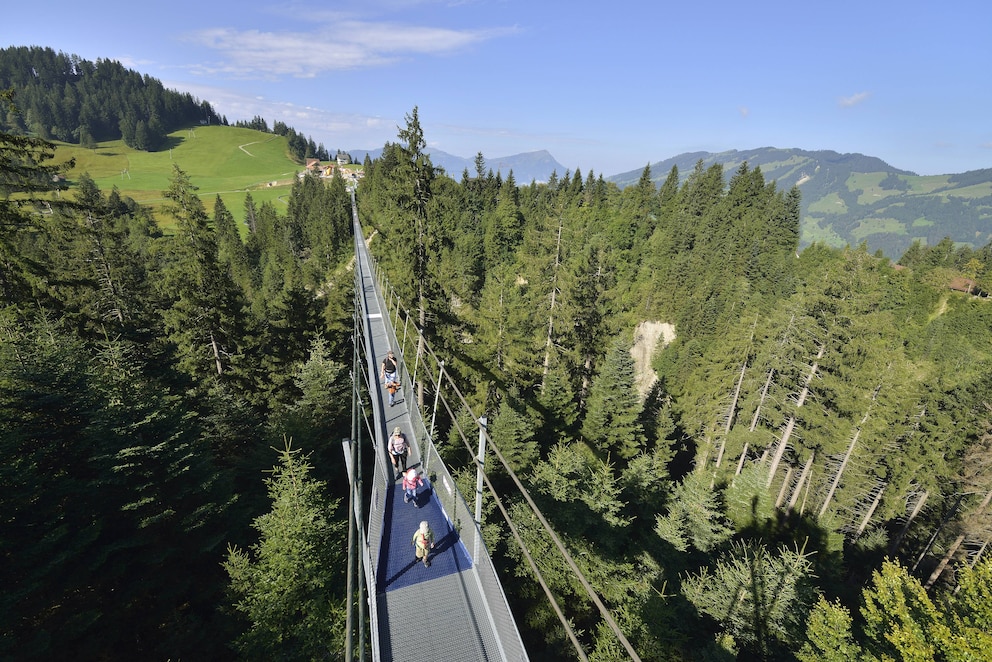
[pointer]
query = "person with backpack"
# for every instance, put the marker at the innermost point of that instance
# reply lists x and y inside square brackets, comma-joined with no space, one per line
[411,481]
[387,373]
[423,540]
[398,448]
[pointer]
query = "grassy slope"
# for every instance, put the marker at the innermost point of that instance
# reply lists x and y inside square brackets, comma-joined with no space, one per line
[222,160]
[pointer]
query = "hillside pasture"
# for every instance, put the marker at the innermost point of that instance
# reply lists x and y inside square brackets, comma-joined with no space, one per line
[220,160]
[870,226]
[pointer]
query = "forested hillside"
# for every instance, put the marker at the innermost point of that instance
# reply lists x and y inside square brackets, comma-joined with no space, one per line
[853,199]
[808,476]
[67,98]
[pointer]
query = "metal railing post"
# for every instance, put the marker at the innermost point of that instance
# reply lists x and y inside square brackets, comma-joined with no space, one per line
[480,470]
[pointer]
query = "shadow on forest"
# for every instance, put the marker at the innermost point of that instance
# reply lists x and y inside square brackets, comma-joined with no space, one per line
[802,533]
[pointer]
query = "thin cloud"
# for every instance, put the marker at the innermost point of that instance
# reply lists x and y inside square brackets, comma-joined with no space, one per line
[854,99]
[337,46]
[333,124]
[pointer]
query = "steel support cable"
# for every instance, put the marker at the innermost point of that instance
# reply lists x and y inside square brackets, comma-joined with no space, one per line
[523,547]
[607,616]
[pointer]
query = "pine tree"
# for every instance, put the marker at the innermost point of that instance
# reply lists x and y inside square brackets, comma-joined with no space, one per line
[757,597]
[113,507]
[231,251]
[694,516]
[23,171]
[513,433]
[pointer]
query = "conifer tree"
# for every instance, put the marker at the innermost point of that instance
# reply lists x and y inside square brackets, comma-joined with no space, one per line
[758,597]
[512,431]
[24,171]
[231,251]
[694,516]
[206,321]
[611,423]
[288,585]
[502,229]
[114,508]
[504,333]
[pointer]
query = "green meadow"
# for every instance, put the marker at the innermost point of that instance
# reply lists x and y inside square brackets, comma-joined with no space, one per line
[220,160]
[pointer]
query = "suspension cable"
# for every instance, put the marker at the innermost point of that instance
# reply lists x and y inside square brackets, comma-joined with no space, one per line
[590,591]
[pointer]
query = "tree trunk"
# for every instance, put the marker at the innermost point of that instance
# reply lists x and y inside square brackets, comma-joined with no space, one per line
[785,486]
[420,352]
[803,477]
[912,516]
[764,392]
[847,457]
[551,312]
[780,450]
[935,575]
[940,527]
[944,561]
[217,361]
[740,463]
[792,420]
[978,555]
[840,472]
[730,416]
[871,511]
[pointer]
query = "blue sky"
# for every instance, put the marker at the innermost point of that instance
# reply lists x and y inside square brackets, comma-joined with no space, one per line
[603,86]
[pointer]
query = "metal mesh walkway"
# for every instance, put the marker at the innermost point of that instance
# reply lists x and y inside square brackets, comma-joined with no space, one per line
[455,609]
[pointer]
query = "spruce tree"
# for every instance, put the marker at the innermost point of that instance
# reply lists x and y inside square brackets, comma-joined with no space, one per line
[611,423]
[288,585]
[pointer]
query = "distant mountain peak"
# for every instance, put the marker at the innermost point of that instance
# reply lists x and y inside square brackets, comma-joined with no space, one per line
[526,167]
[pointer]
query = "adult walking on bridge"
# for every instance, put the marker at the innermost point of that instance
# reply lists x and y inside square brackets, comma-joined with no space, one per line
[398,448]
[387,374]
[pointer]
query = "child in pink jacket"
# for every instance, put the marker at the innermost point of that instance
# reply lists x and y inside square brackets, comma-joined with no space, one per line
[411,481]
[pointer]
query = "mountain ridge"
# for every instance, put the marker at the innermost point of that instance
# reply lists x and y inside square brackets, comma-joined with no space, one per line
[851,198]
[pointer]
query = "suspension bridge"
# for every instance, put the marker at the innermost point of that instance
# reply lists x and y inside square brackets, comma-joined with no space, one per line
[455,608]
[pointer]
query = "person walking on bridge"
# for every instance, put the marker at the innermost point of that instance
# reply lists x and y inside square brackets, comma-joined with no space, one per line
[423,540]
[387,373]
[411,481]
[398,448]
